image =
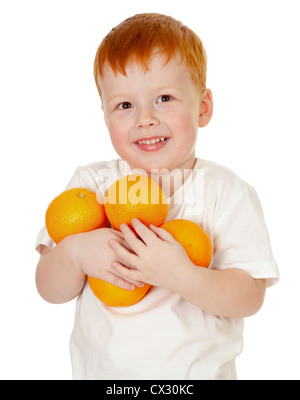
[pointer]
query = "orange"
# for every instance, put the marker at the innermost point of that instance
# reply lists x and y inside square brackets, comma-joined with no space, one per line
[74,211]
[135,196]
[115,296]
[194,240]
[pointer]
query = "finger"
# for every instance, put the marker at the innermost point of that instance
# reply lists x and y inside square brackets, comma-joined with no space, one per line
[117,281]
[126,244]
[120,237]
[126,256]
[130,237]
[162,234]
[143,231]
[128,274]
[121,270]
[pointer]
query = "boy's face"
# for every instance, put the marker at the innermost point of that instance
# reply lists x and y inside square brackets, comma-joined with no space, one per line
[153,115]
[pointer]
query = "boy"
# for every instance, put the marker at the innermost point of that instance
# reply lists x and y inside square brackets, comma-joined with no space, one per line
[150,72]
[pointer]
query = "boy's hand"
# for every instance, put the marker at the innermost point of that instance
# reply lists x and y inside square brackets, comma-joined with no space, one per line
[95,256]
[61,271]
[158,258]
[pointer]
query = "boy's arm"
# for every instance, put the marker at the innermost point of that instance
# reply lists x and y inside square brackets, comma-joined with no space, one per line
[61,271]
[161,261]
[230,293]
[58,278]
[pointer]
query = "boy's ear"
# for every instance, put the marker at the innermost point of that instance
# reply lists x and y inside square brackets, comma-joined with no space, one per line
[206,108]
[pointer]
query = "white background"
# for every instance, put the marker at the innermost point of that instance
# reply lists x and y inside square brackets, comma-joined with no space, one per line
[51,122]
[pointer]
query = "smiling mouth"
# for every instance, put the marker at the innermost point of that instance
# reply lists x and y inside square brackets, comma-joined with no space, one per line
[152,144]
[151,141]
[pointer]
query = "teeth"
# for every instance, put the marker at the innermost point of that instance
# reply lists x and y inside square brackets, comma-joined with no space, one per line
[152,141]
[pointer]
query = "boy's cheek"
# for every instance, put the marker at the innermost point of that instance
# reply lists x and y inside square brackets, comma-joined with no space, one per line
[118,136]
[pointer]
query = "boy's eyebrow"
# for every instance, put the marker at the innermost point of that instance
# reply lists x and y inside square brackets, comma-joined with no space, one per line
[163,89]
[116,96]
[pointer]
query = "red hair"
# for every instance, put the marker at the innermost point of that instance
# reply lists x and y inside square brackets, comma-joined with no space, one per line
[137,37]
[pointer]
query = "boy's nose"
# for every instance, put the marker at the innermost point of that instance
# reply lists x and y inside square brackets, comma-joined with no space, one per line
[147,118]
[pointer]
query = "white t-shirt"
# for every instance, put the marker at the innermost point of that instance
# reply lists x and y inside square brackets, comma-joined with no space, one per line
[164,336]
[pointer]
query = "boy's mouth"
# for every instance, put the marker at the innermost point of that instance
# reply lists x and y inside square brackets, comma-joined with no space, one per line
[152,144]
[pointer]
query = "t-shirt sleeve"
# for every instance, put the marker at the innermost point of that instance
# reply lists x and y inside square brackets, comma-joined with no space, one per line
[78,180]
[241,239]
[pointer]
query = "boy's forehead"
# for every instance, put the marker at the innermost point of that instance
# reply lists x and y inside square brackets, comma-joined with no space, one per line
[158,64]
[146,61]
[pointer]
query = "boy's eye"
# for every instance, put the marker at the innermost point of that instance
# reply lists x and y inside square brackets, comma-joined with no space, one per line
[163,98]
[125,105]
